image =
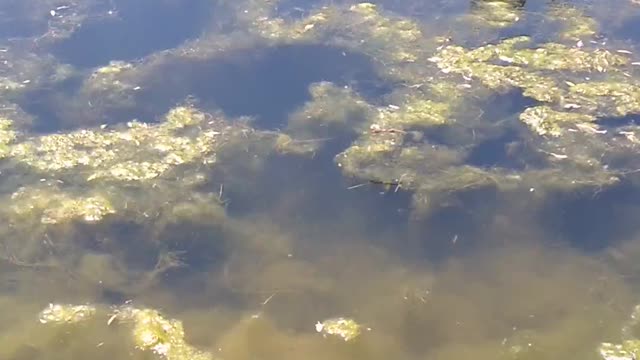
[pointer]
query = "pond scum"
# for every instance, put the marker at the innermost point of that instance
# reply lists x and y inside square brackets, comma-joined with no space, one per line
[104,201]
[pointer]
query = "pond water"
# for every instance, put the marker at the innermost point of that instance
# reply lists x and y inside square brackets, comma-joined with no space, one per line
[314,179]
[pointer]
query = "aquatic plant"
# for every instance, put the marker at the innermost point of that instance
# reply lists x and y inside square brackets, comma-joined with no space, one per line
[151,331]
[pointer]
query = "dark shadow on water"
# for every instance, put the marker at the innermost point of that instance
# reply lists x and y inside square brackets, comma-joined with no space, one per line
[629,29]
[320,193]
[617,122]
[454,226]
[16,20]
[266,83]
[500,144]
[143,27]
[495,152]
[593,219]
[174,253]
[44,104]
[494,136]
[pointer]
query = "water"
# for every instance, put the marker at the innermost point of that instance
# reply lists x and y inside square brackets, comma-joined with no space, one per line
[472,239]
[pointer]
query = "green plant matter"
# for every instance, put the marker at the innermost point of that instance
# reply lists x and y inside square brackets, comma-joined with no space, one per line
[151,331]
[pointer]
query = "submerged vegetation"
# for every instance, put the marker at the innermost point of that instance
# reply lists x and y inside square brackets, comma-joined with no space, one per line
[120,198]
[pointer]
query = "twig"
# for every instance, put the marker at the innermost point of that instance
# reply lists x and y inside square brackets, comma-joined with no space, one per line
[268,299]
[356,186]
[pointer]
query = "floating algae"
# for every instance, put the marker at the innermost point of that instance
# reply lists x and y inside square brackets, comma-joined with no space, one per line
[58,207]
[147,175]
[629,348]
[344,328]
[544,120]
[497,13]
[66,314]
[575,83]
[151,331]
[137,152]
[388,39]
[576,25]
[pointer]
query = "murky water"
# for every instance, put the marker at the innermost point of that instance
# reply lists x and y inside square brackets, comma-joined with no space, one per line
[255,170]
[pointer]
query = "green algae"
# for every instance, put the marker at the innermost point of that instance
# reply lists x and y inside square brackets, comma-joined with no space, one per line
[137,152]
[576,24]
[347,329]
[497,13]
[544,120]
[151,331]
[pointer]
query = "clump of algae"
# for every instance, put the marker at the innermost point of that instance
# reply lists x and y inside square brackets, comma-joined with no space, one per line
[551,56]
[361,26]
[66,314]
[106,86]
[568,78]
[384,31]
[415,112]
[330,107]
[165,337]
[344,328]
[137,152]
[392,129]
[576,25]
[544,120]
[7,136]
[512,63]
[497,13]
[114,67]
[151,331]
[331,111]
[142,174]
[623,98]
[59,207]
[629,348]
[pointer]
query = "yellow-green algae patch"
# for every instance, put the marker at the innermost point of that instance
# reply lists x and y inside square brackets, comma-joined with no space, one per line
[414,111]
[66,314]
[344,328]
[574,80]
[114,67]
[361,27]
[544,120]
[629,348]
[56,206]
[331,111]
[497,13]
[576,24]
[571,97]
[137,152]
[7,136]
[151,331]
[623,98]
[549,56]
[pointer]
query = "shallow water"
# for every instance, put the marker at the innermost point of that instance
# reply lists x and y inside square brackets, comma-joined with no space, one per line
[252,252]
